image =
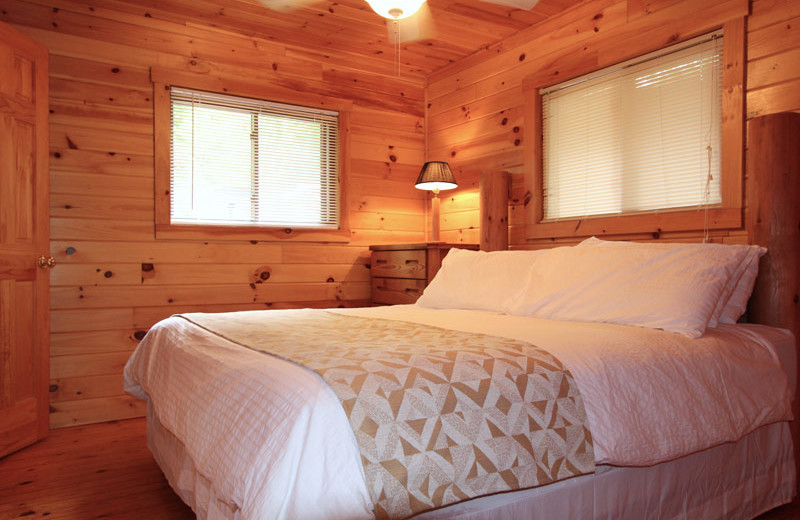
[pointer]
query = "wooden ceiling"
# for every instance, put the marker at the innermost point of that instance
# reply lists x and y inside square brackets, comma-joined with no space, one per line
[349,33]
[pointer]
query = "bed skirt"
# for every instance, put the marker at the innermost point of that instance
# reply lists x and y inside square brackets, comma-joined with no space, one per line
[732,481]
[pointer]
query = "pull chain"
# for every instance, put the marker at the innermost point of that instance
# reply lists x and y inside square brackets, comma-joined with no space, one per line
[707,194]
[397,49]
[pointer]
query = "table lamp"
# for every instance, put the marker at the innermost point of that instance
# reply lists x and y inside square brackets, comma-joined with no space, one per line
[435,176]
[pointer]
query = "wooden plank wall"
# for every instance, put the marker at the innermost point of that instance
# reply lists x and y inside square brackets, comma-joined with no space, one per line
[113,279]
[475,114]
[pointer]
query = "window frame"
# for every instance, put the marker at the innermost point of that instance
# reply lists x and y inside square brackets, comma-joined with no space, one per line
[163,81]
[727,215]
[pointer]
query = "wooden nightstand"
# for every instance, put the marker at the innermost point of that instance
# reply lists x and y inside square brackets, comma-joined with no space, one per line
[400,272]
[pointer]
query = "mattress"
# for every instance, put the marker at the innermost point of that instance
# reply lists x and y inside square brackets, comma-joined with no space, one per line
[737,480]
[269,440]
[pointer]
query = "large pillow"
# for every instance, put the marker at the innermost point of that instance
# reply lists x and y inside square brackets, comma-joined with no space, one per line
[674,287]
[740,294]
[478,280]
[732,303]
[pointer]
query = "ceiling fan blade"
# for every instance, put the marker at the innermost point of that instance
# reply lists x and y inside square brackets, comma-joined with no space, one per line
[525,5]
[418,26]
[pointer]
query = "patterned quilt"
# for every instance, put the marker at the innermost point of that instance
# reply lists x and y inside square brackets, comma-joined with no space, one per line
[440,416]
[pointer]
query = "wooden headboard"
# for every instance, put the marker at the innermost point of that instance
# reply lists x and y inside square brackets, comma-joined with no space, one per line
[773,217]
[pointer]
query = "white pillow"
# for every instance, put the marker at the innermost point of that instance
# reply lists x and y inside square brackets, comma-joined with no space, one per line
[674,287]
[733,300]
[740,295]
[478,280]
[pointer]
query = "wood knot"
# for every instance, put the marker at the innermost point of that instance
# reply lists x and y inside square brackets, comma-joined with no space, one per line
[261,275]
[139,335]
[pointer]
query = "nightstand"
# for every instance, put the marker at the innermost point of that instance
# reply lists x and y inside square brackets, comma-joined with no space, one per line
[400,272]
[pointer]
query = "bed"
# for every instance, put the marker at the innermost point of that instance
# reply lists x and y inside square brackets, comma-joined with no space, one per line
[674,409]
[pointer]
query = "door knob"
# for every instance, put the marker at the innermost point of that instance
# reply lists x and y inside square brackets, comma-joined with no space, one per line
[46,262]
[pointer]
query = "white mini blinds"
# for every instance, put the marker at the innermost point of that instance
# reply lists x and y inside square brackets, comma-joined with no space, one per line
[637,137]
[244,162]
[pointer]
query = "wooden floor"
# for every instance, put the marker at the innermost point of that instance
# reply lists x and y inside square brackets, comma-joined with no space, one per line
[106,471]
[87,472]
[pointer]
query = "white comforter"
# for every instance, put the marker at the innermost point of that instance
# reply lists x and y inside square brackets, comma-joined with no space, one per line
[273,441]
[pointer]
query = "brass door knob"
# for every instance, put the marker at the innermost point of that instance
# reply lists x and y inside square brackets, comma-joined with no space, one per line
[46,262]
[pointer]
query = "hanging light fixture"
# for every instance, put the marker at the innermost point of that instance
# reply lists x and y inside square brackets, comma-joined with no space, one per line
[395,9]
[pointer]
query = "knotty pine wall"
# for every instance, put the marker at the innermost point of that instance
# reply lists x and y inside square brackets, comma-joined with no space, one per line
[114,279]
[475,106]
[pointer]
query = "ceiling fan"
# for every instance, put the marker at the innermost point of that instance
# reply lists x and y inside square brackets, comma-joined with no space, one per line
[408,20]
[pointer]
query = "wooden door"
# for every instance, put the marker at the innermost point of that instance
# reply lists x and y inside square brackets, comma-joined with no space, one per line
[24,208]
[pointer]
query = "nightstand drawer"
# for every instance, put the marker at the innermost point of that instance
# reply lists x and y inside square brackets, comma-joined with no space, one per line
[399,264]
[394,291]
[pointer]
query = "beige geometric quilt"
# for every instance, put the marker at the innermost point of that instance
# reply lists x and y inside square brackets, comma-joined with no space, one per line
[440,416]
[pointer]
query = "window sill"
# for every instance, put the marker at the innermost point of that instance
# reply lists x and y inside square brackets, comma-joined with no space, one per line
[198,232]
[718,218]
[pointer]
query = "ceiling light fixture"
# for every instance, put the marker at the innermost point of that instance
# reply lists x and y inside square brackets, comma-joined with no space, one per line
[395,9]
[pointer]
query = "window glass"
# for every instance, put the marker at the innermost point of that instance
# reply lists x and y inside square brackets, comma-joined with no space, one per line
[640,136]
[237,161]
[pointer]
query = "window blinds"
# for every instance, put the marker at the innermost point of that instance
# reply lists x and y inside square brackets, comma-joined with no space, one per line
[240,161]
[636,137]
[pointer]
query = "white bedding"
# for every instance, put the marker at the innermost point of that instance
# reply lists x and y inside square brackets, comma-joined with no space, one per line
[274,442]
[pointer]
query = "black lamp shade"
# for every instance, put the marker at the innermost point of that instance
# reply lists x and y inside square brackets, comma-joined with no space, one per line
[435,176]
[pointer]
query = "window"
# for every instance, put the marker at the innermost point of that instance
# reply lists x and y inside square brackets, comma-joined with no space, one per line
[640,136]
[721,208]
[243,162]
